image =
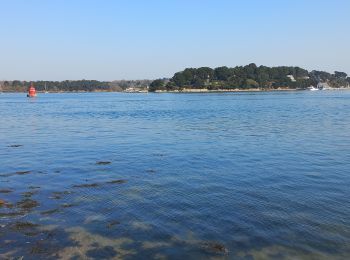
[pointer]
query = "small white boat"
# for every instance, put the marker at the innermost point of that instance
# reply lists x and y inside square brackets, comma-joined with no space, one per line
[46,89]
[312,88]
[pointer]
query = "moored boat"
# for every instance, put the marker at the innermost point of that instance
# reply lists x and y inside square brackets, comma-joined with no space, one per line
[312,88]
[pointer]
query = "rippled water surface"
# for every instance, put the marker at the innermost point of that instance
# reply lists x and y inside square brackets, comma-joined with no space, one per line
[178,176]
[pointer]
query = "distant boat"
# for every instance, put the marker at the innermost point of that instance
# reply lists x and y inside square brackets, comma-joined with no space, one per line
[312,88]
[31,91]
[323,86]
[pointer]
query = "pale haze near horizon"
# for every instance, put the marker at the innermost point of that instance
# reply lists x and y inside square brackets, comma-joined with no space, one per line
[111,40]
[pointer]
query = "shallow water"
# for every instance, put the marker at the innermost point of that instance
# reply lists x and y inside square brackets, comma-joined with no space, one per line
[136,176]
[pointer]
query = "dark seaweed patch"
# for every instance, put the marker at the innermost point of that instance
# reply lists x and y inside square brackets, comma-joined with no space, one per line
[66,192]
[55,197]
[27,204]
[6,174]
[2,203]
[94,185]
[15,173]
[58,194]
[67,205]
[32,233]
[49,212]
[214,247]
[11,214]
[34,187]
[158,154]
[87,185]
[54,241]
[28,194]
[39,248]
[102,253]
[5,204]
[117,181]
[5,191]
[22,172]
[113,223]
[19,226]
[103,162]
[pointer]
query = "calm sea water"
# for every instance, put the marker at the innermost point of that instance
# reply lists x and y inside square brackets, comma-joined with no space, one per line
[178,176]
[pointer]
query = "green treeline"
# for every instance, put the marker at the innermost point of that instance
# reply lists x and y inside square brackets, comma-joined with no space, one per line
[248,77]
[74,85]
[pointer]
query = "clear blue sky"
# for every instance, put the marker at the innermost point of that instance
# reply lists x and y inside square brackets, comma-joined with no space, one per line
[136,39]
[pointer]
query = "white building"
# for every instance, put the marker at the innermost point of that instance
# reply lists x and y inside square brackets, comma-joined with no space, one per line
[291,77]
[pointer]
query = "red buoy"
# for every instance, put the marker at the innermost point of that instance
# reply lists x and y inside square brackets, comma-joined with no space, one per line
[31,91]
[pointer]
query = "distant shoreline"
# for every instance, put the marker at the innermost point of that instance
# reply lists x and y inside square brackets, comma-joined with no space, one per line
[240,90]
[179,91]
[163,91]
[224,90]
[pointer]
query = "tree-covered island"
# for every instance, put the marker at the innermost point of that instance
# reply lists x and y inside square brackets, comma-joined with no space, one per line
[249,77]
